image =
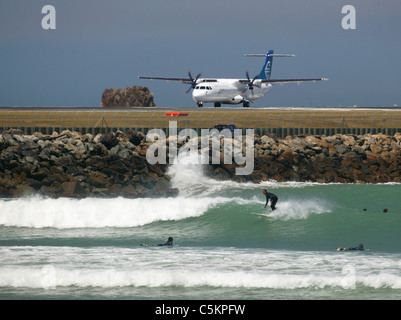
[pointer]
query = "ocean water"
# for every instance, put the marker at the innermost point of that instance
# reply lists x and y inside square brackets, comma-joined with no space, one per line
[229,246]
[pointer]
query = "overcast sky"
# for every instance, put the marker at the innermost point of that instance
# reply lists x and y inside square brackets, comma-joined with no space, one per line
[99,44]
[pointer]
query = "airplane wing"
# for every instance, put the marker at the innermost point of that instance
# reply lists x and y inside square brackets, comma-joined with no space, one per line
[292,80]
[285,80]
[183,80]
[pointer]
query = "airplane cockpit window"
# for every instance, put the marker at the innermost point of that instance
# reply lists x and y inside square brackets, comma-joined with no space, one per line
[203,88]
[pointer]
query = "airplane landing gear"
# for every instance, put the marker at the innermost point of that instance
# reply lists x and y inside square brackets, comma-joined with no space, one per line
[200,104]
[246,104]
[217,104]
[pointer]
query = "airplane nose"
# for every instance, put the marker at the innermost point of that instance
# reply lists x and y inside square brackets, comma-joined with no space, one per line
[196,94]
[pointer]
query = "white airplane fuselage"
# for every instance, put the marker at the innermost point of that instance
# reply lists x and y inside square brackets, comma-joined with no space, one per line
[234,91]
[228,91]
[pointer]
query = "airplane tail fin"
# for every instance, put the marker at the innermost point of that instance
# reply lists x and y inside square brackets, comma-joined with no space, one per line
[266,71]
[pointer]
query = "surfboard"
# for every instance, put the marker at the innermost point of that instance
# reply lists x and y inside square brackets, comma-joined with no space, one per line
[152,245]
[260,214]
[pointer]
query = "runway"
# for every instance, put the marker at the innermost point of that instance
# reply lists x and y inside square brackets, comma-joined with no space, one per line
[193,108]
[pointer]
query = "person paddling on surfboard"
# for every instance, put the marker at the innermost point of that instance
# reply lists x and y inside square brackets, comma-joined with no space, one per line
[168,243]
[360,248]
[272,197]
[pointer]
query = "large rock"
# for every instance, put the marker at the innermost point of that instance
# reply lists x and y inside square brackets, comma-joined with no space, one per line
[136,96]
[74,165]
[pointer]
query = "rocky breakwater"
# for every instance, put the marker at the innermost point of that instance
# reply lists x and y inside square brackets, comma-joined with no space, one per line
[74,165]
[323,159]
[109,165]
[338,158]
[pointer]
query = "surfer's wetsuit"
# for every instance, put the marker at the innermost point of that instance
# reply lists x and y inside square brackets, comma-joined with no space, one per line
[273,198]
[168,243]
[359,248]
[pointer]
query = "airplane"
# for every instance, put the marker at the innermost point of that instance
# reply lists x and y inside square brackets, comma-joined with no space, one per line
[234,91]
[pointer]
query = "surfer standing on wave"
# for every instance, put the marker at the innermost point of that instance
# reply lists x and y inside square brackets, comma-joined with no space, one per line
[272,197]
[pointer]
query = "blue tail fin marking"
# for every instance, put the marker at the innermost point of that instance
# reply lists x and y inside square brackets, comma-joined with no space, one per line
[266,71]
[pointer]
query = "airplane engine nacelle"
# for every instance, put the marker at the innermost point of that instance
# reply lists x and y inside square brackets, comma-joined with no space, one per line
[237,99]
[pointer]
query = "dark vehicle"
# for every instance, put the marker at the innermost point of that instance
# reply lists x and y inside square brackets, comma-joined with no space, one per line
[230,127]
[225,134]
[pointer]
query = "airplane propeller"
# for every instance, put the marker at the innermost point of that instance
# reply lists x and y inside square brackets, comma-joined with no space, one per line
[250,83]
[193,81]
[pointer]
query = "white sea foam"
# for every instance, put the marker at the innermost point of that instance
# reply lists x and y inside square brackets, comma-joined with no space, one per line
[299,209]
[229,268]
[65,213]
[189,177]
[37,278]
[197,194]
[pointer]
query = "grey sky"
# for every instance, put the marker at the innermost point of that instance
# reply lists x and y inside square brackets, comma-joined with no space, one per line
[102,44]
